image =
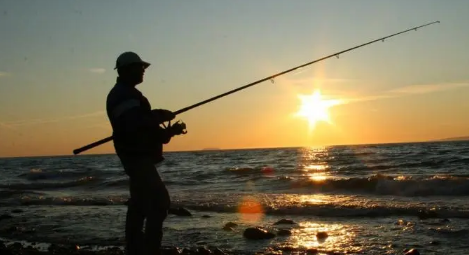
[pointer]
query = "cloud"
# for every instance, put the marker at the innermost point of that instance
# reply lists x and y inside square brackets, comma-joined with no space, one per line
[4,74]
[97,70]
[428,88]
[367,98]
[411,90]
[315,80]
[92,114]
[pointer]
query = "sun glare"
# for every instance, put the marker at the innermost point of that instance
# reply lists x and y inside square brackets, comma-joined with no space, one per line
[314,108]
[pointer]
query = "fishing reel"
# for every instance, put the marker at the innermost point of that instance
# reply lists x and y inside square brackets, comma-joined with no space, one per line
[179,127]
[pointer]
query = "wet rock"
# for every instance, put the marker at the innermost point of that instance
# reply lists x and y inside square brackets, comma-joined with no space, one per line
[444,221]
[321,235]
[187,251]
[284,232]
[231,224]
[16,245]
[2,245]
[228,228]
[257,233]
[206,216]
[412,252]
[5,217]
[180,211]
[201,243]
[287,248]
[203,251]
[17,211]
[284,221]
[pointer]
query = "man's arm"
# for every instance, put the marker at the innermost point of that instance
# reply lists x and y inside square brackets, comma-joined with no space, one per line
[140,123]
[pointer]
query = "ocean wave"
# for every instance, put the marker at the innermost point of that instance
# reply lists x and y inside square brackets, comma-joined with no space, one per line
[14,193]
[386,185]
[85,181]
[326,210]
[349,165]
[269,179]
[36,174]
[340,211]
[76,201]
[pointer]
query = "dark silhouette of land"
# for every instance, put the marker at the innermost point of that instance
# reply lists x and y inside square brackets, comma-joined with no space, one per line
[461,138]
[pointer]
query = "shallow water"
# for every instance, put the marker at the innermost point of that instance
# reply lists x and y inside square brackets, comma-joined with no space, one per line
[377,199]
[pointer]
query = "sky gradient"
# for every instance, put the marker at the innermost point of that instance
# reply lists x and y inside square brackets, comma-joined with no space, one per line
[57,61]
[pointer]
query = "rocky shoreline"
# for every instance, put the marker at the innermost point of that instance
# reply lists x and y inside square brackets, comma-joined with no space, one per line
[17,248]
[17,244]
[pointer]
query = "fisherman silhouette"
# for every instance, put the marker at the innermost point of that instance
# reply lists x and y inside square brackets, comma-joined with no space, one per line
[138,142]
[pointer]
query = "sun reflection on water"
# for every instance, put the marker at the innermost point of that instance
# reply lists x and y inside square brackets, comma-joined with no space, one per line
[313,199]
[311,235]
[313,164]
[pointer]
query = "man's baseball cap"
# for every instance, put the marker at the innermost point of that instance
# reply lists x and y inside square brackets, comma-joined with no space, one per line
[128,58]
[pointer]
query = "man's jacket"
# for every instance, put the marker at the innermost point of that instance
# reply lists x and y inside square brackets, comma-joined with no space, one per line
[136,131]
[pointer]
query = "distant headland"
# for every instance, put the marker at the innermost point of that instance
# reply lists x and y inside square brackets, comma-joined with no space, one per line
[461,138]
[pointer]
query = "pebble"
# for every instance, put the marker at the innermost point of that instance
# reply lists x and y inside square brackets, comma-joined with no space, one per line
[284,221]
[257,233]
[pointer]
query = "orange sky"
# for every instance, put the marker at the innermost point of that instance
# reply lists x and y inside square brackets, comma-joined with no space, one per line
[412,116]
[57,68]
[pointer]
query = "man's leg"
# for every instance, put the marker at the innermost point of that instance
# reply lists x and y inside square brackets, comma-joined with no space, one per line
[155,210]
[135,217]
[154,231]
[133,229]
[153,201]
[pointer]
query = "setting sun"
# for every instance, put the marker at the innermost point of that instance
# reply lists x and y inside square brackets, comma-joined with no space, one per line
[314,108]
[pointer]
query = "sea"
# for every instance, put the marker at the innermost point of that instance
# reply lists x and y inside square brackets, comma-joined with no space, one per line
[361,199]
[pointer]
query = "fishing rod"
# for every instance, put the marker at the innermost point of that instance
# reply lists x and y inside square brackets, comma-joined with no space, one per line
[107,139]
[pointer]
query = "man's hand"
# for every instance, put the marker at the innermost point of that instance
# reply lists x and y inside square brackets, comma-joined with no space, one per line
[163,115]
[178,128]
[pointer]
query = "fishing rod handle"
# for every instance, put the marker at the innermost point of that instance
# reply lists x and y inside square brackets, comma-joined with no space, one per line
[92,145]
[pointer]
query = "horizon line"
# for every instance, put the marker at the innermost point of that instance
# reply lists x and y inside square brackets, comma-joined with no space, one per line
[442,140]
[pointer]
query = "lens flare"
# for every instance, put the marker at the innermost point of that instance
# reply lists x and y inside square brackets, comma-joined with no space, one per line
[250,209]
